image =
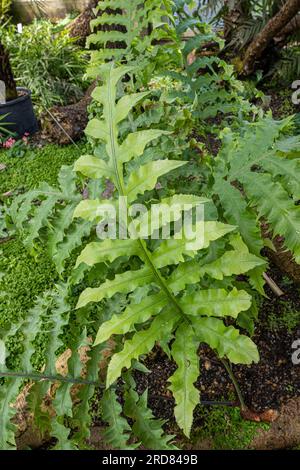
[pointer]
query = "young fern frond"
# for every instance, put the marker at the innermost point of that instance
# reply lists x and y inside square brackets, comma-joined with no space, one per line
[165,311]
[119,431]
[207,83]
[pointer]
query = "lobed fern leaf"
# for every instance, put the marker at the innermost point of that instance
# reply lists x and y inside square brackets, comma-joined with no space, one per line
[119,431]
[185,353]
[145,427]
[141,25]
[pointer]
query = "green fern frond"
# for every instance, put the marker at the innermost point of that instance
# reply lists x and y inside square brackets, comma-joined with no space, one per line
[141,25]
[118,433]
[145,427]
[185,353]
[161,314]
[55,303]
[256,178]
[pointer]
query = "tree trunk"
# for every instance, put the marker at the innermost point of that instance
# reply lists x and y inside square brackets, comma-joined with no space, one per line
[64,124]
[272,28]
[291,28]
[80,27]
[6,75]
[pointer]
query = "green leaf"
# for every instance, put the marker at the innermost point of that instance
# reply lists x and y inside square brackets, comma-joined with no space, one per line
[172,251]
[62,434]
[147,429]
[273,203]
[226,340]
[135,143]
[118,433]
[93,209]
[93,167]
[187,397]
[216,302]
[287,170]
[238,213]
[126,103]
[167,211]
[142,342]
[8,393]
[145,178]
[107,250]
[124,283]
[96,129]
[133,314]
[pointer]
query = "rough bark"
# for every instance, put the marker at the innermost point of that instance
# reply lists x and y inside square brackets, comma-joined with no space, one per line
[269,32]
[64,124]
[291,28]
[6,75]
[80,27]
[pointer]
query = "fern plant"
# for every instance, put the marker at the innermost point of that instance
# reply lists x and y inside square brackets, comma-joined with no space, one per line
[146,24]
[256,179]
[170,310]
[207,82]
[169,292]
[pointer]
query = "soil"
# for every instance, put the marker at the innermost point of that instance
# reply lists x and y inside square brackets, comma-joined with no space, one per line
[284,432]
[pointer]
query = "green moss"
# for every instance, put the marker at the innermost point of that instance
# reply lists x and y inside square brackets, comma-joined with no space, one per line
[39,164]
[226,429]
[22,279]
[288,318]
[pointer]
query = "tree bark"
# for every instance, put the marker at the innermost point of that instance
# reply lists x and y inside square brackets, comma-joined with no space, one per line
[6,75]
[272,28]
[292,27]
[80,27]
[64,124]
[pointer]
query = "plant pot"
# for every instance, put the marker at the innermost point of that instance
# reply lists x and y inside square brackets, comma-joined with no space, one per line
[20,114]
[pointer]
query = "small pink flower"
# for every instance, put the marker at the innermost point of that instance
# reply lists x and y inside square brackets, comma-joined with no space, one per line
[9,143]
[25,140]
[26,134]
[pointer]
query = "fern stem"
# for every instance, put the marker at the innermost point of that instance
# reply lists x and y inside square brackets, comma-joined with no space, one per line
[52,378]
[163,284]
[235,383]
[122,192]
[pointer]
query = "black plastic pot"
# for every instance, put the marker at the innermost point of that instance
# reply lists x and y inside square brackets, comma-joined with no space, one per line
[20,114]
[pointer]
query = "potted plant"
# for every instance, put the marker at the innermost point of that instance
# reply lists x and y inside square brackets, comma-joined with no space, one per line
[16,103]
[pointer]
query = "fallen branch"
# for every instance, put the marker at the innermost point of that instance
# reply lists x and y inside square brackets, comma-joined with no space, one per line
[273,286]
